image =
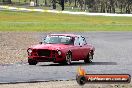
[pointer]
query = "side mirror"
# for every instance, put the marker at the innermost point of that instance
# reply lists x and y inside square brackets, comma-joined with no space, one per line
[40,42]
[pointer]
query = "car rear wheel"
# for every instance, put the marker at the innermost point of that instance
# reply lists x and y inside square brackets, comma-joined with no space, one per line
[32,62]
[89,57]
[68,58]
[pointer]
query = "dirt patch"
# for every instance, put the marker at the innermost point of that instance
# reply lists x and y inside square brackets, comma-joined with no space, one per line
[13,46]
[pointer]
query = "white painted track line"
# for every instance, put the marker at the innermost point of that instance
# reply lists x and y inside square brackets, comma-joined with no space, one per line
[65,12]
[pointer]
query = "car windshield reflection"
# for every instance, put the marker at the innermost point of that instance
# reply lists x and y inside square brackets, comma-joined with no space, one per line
[59,40]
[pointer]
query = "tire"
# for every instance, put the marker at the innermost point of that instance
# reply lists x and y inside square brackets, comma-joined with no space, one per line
[89,57]
[32,62]
[68,58]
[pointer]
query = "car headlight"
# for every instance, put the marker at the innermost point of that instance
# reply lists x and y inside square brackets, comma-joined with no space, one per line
[59,52]
[29,51]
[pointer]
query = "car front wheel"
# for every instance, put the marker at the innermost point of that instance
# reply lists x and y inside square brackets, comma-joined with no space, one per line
[89,58]
[32,62]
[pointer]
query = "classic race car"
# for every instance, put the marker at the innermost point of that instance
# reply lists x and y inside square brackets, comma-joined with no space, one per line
[61,48]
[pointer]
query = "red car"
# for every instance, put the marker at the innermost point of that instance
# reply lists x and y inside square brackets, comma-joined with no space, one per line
[61,48]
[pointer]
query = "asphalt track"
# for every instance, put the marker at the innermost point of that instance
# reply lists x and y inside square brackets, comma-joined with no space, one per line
[113,55]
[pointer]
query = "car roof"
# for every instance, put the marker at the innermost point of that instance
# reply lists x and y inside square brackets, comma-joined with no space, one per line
[72,35]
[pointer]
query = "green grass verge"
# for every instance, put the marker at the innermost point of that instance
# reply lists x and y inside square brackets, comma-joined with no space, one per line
[35,21]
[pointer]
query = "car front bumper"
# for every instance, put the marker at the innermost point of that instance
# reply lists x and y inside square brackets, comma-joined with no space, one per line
[42,59]
[46,59]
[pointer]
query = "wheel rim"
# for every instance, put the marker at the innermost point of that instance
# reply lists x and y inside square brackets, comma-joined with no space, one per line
[68,58]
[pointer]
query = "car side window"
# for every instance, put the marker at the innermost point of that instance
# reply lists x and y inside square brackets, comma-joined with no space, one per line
[76,41]
[82,41]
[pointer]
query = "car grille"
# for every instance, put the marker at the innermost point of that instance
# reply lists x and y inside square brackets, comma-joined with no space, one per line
[43,52]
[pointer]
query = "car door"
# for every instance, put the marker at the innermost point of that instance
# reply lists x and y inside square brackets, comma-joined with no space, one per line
[76,53]
[83,47]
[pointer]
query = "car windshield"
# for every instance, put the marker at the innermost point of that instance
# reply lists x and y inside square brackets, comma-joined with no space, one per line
[58,40]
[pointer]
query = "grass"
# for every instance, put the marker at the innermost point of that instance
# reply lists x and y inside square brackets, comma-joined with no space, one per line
[35,21]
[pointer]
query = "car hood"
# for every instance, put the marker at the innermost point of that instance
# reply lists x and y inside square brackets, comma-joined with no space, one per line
[50,46]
